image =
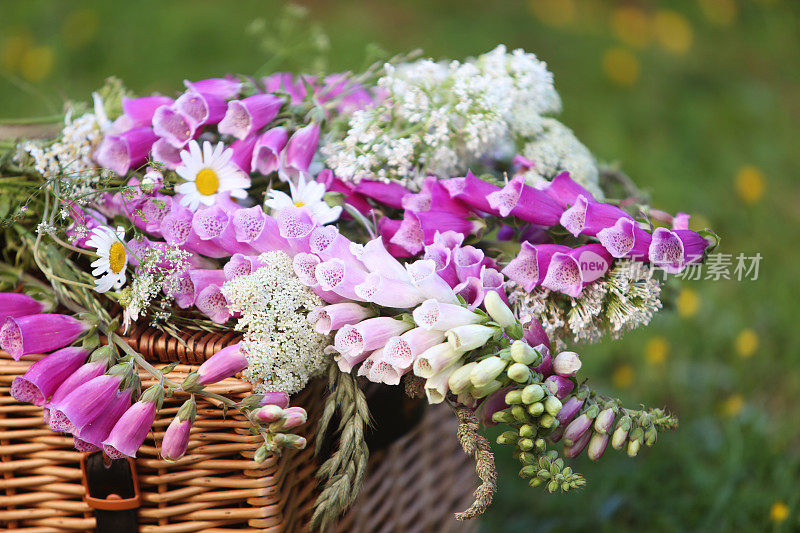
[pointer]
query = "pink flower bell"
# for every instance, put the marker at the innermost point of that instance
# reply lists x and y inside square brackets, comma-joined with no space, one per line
[176,438]
[132,427]
[42,379]
[39,333]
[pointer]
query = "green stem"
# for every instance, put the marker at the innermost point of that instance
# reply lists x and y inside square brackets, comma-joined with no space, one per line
[32,120]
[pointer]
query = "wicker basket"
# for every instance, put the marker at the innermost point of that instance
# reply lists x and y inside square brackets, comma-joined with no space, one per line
[416,484]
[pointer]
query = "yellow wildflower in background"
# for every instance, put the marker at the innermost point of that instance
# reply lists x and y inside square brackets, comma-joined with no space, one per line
[779,512]
[673,31]
[732,406]
[687,303]
[746,343]
[36,63]
[623,376]
[656,350]
[720,12]
[632,26]
[558,13]
[13,47]
[621,66]
[750,184]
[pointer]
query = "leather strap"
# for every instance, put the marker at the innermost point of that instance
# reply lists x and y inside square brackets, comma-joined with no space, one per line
[112,490]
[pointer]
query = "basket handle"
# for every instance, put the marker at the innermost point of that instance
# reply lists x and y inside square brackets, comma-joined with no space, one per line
[112,490]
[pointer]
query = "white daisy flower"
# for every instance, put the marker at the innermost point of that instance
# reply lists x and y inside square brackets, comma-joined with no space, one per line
[109,269]
[308,194]
[209,173]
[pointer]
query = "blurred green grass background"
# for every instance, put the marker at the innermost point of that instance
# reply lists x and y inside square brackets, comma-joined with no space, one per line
[698,100]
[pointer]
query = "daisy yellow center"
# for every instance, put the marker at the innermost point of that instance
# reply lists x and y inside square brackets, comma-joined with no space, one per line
[207,182]
[299,204]
[116,257]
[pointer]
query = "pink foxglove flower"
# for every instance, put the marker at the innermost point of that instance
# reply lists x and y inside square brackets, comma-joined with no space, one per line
[266,152]
[427,281]
[559,386]
[295,224]
[39,333]
[472,191]
[163,152]
[44,376]
[390,194]
[17,304]
[569,272]
[469,336]
[222,87]
[673,250]
[626,239]
[245,117]
[211,302]
[223,364]
[564,190]
[122,152]
[133,426]
[258,230]
[201,108]
[176,438]
[576,429]
[403,350]
[388,292]
[138,112]
[86,402]
[569,410]
[418,229]
[174,126]
[95,432]
[526,203]
[377,258]
[243,153]
[279,399]
[435,315]
[176,227]
[296,156]
[435,359]
[241,265]
[589,218]
[335,316]
[468,261]
[378,370]
[436,387]
[341,278]
[368,335]
[215,224]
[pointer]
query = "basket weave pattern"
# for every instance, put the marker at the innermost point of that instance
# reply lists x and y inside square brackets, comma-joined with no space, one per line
[415,485]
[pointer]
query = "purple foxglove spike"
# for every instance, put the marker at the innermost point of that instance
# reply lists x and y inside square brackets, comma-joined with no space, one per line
[96,431]
[534,335]
[266,152]
[181,288]
[212,303]
[279,399]
[173,126]
[165,153]
[566,364]
[468,261]
[530,267]
[305,268]
[18,305]
[214,224]
[493,281]
[121,152]
[224,364]
[577,429]
[588,218]
[402,351]
[625,239]
[295,224]
[388,229]
[336,276]
[139,111]
[376,258]
[570,272]
[388,292]
[390,194]
[521,164]
[445,267]
[380,370]
[85,373]
[177,230]
[201,109]
[472,191]
[672,250]
[328,243]
[525,202]
[681,221]
[222,87]
[569,410]
[258,230]
[449,239]
[84,404]
[559,386]
[471,289]
[564,190]
[435,315]
[434,196]
[574,450]
[39,333]
[202,278]
[418,229]
[299,151]
[243,152]
[334,184]
[367,335]
[245,117]
[176,439]
[241,265]
[597,446]
[44,376]
[335,316]
[132,427]
[428,282]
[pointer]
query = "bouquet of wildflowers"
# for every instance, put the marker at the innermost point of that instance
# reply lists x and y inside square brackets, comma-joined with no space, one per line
[422,224]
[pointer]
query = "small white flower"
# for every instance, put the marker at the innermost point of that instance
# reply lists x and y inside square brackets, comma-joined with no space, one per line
[209,173]
[109,269]
[308,194]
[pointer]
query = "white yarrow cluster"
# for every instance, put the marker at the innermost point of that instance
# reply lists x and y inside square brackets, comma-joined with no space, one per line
[283,351]
[439,118]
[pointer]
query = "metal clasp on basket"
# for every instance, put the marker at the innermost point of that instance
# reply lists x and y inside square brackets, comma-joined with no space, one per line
[112,502]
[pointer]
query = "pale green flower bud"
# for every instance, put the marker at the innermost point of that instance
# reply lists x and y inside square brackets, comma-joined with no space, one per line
[486,371]
[519,413]
[552,405]
[503,417]
[619,438]
[650,436]
[527,458]
[521,352]
[547,421]
[528,471]
[532,394]
[633,448]
[261,454]
[604,420]
[525,444]
[536,409]
[597,446]
[469,337]
[514,397]
[527,431]
[498,310]
[459,381]
[519,373]
[486,390]
[540,445]
[507,437]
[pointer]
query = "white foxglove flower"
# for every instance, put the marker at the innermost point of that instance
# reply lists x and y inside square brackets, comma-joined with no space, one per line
[208,173]
[308,194]
[109,269]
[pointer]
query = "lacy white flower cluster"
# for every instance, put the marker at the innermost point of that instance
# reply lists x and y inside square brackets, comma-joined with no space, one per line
[439,118]
[160,269]
[283,351]
[70,156]
[625,299]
